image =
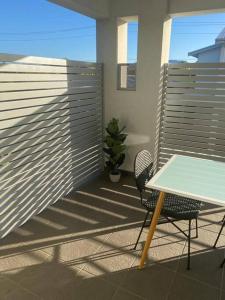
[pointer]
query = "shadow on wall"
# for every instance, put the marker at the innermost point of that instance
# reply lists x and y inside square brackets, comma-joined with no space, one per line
[147,135]
[50,132]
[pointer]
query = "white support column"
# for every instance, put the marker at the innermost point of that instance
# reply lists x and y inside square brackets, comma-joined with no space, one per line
[122,41]
[135,109]
[167,26]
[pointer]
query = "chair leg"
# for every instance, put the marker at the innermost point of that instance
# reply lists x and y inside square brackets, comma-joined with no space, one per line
[143,225]
[196,227]
[221,229]
[223,219]
[222,264]
[189,245]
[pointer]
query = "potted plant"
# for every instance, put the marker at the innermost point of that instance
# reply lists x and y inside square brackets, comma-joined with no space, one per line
[115,149]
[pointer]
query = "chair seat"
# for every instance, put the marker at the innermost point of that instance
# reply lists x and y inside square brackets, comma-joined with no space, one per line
[177,207]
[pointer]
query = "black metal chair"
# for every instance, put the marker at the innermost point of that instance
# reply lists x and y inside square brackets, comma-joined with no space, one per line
[218,236]
[175,208]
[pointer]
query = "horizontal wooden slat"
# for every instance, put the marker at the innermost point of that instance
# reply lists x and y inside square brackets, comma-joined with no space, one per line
[4,57]
[194,149]
[211,132]
[20,185]
[193,111]
[192,91]
[42,161]
[32,68]
[205,71]
[36,110]
[195,127]
[44,149]
[75,100]
[197,103]
[195,115]
[47,115]
[196,85]
[197,66]
[7,96]
[50,132]
[66,159]
[43,77]
[196,78]
[195,97]
[46,132]
[39,171]
[193,138]
[25,86]
[47,146]
[195,121]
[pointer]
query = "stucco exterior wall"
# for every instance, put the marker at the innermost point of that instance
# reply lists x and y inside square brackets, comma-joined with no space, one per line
[93,8]
[136,109]
[101,8]
[190,7]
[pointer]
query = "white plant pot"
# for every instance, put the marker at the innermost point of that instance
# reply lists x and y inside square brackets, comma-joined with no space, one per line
[115,177]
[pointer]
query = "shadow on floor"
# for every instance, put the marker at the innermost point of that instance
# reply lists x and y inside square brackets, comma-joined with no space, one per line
[81,248]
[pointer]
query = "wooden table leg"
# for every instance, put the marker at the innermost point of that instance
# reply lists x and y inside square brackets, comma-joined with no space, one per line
[152,227]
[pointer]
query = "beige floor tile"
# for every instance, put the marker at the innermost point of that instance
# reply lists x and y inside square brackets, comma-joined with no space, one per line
[211,220]
[78,236]
[166,254]
[162,250]
[169,232]
[48,278]
[90,289]
[222,295]
[152,282]
[206,240]
[188,289]
[204,266]
[125,295]
[77,251]
[16,263]
[115,257]
[11,291]
[223,277]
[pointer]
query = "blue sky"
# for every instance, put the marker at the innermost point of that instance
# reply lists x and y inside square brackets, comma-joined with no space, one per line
[41,28]
[37,27]
[192,33]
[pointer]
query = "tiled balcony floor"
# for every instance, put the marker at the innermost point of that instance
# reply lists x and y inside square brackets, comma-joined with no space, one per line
[81,249]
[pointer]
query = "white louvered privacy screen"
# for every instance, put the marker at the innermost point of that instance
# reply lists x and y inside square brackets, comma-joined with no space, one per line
[50,132]
[193,111]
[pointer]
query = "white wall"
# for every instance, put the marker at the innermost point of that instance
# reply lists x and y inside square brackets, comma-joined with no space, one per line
[92,8]
[136,109]
[190,7]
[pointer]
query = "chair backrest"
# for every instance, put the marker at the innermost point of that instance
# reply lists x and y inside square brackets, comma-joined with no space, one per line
[143,169]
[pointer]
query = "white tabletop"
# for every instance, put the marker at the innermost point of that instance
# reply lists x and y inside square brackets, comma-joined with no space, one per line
[195,178]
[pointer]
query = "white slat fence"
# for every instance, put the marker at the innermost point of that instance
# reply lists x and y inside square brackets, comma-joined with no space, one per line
[50,132]
[192,120]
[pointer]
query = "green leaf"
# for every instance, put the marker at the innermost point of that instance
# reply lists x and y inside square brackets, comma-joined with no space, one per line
[114,141]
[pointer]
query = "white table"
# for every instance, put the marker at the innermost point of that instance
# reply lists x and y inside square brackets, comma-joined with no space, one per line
[195,178]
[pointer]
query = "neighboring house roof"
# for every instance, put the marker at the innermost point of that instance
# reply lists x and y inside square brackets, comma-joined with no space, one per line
[221,37]
[205,49]
[219,42]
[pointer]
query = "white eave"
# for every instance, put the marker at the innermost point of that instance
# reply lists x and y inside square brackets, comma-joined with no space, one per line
[97,9]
